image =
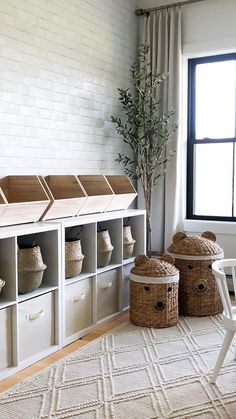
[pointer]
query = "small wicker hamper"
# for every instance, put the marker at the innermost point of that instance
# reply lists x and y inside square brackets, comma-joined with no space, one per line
[198,292]
[154,292]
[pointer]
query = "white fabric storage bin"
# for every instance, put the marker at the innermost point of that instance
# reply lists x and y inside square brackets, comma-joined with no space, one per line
[78,306]
[6,339]
[107,293]
[36,325]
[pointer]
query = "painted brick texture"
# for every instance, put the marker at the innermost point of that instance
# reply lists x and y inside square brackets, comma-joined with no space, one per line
[61,62]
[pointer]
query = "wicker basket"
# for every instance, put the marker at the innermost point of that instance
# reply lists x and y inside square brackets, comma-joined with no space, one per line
[30,269]
[198,292]
[154,292]
[73,258]
[128,242]
[104,248]
[2,283]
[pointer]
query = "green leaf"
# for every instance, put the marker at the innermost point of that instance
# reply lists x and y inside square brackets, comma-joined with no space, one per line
[142,124]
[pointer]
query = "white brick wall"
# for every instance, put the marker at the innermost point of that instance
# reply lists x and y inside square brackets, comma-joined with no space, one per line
[61,62]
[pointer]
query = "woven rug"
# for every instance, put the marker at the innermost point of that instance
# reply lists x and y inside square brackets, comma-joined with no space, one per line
[134,373]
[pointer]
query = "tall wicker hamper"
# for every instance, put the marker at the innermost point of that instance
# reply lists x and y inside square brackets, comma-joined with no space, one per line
[198,292]
[154,292]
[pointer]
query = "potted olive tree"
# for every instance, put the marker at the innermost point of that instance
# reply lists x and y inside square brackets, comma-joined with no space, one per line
[145,129]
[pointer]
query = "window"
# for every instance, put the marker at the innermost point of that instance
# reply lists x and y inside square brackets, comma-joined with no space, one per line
[211,161]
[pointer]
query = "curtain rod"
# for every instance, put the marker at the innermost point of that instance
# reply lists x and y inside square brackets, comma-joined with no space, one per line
[140,12]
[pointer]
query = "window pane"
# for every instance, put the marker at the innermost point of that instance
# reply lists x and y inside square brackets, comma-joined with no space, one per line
[213,179]
[215,100]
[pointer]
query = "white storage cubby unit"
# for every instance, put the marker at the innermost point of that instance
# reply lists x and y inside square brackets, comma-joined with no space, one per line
[61,310]
[125,285]
[98,295]
[29,323]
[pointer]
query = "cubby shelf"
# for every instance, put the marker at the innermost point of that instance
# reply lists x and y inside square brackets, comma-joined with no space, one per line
[29,322]
[78,278]
[43,289]
[100,294]
[6,303]
[63,309]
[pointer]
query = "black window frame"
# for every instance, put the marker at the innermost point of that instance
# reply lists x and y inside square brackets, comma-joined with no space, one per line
[191,138]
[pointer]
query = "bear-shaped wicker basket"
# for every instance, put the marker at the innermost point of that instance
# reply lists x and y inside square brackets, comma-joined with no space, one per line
[198,292]
[154,292]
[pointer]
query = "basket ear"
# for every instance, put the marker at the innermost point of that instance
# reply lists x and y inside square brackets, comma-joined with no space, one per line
[179,236]
[209,235]
[140,259]
[168,258]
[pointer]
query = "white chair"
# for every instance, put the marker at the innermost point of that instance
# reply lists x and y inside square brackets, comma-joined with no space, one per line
[229,314]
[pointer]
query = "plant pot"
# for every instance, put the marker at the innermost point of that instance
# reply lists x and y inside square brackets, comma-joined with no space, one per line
[104,248]
[30,269]
[73,258]
[128,242]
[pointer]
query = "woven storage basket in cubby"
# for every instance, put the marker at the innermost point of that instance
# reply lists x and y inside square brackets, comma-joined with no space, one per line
[154,292]
[2,283]
[73,258]
[30,269]
[198,292]
[104,248]
[128,242]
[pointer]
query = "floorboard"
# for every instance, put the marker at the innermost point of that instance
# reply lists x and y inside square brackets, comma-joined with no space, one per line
[45,362]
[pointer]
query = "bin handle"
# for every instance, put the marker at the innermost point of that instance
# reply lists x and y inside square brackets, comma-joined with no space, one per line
[35,316]
[106,285]
[78,298]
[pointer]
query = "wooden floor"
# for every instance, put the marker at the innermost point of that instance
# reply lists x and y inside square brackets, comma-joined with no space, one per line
[99,331]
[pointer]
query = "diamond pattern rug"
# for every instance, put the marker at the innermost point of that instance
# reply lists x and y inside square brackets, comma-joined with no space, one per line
[134,373]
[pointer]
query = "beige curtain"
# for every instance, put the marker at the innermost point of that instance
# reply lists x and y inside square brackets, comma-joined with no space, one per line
[162,30]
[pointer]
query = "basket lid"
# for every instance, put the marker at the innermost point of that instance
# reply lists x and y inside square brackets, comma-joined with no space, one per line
[205,245]
[143,266]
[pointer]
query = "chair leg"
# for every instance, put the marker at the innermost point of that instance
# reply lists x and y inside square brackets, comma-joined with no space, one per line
[224,349]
